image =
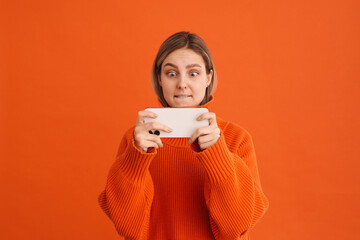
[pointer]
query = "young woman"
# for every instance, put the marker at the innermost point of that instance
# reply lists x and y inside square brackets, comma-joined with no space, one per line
[205,187]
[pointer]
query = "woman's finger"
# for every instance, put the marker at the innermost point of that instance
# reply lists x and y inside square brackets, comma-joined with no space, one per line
[145,145]
[154,138]
[151,144]
[208,138]
[202,131]
[208,116]
[140,136]
[206,145]
[145,114]
[157,126]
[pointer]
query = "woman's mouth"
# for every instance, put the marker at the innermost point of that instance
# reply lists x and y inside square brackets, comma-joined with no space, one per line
[182,96]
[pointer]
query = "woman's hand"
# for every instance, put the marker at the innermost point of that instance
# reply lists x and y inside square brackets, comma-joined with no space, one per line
[143,139]
[207,136]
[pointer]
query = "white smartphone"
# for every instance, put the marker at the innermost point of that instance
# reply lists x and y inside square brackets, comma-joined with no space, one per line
[181,120]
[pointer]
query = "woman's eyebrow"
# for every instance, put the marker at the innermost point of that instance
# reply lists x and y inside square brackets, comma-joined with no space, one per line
[193,65]
[188,66]
[170,64]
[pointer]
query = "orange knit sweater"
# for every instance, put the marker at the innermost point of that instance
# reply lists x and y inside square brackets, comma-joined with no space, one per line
[180,192]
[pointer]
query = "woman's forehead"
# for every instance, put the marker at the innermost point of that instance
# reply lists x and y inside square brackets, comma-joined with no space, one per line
[184,57]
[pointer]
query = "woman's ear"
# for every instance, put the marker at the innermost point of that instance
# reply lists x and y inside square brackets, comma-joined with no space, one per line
[159,79]
[209,77]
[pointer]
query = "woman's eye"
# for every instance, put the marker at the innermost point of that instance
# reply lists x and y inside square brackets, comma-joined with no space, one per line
[193,74]
[171,74]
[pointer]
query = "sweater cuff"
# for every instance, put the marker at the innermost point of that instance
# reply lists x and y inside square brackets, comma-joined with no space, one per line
[134,163]
[217,160]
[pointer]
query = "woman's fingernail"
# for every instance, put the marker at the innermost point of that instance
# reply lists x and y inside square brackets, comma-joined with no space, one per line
[170,130]
[155,115]
[189,142]
[198,118]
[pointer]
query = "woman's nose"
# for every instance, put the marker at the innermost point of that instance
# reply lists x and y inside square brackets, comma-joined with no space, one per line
[182,83]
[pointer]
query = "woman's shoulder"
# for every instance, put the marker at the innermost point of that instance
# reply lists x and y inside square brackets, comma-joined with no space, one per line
[233,132]
[227,126]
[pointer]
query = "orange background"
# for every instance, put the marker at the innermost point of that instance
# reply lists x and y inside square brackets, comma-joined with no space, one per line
[74,74]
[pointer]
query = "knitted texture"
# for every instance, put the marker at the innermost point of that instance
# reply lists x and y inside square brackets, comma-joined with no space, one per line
[180,192]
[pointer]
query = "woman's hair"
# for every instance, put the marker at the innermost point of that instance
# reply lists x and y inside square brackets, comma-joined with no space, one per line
[177,41]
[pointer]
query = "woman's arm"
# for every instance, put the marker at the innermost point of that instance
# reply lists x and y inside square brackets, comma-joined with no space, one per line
[233,192]
[129,190]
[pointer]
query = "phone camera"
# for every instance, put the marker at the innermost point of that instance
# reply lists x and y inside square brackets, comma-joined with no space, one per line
[156,132]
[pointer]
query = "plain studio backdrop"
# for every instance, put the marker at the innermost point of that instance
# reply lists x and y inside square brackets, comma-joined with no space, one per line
[74,74]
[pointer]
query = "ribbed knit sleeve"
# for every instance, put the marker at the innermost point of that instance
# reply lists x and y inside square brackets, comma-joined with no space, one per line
[232,191]
[129,191]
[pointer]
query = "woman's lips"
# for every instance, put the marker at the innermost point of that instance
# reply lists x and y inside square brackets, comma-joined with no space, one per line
[182,96]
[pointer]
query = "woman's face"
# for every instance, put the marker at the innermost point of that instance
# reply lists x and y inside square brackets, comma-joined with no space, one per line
[183,78]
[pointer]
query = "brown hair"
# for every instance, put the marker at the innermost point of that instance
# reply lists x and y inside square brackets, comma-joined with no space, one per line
[177,41]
